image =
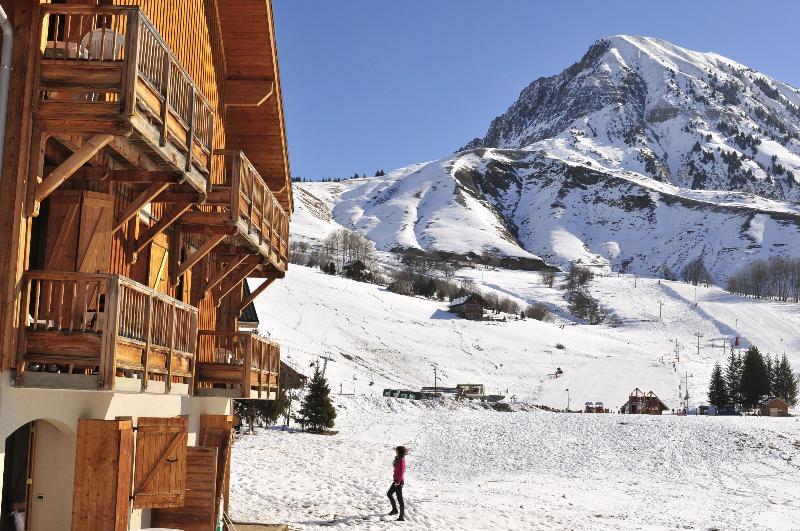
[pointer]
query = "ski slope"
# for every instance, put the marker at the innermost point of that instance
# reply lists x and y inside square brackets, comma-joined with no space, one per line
[379,339]
[477,469]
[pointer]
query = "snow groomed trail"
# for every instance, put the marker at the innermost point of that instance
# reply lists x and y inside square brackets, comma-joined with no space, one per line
[472,468]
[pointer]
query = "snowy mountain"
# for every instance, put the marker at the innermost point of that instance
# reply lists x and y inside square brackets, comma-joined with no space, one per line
[642,154]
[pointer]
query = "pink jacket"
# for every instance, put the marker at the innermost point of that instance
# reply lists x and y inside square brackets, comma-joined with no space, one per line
[399,470]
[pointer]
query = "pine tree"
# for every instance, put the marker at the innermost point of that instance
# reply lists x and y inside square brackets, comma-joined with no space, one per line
[770,370]
[785,381]
[733,376]
[717,392]
[754,384]
[317,411]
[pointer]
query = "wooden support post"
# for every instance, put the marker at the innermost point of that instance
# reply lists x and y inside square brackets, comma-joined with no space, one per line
[222,273]
[148,319]
[64,170]
[195,257]
[138,203]
[160,226]
[255,293]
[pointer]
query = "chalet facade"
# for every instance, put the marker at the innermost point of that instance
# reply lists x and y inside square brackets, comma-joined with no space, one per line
[144,177]
[641,403]
[469,307]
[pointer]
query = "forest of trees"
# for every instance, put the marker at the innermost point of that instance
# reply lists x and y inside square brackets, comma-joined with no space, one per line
[777,278]
[581,303]
[750,378]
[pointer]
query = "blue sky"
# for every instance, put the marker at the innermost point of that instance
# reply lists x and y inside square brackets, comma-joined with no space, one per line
[379,84]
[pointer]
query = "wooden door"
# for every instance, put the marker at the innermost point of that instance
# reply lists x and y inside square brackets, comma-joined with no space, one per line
[158,272]
[200,500]
[160,476]
[63,226]
[94,240]
[103,471]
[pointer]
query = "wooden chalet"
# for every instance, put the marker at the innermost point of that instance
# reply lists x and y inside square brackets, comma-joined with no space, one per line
[145,177]
[641,403]
[469,307]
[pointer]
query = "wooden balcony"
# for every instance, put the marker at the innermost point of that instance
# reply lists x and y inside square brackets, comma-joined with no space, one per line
[245,208]
[102,331]
[105,70]
[237,365]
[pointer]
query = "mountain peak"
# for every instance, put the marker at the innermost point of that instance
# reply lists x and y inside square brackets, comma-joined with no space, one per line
[642,104]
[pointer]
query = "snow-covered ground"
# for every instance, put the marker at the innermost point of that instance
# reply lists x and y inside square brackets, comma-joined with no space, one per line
[379,339]
[472,468]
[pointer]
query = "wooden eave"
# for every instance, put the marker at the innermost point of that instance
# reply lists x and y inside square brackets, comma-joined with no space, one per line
[248,37]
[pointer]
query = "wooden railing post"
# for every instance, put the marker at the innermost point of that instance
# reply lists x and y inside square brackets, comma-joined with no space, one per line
[128,99]
[173,314]
[247,176]
[193,333]
[190,131]
[167,94]
[248,365]
[108,349]
[148,323]
[264,192]
[23,324]
[236,183]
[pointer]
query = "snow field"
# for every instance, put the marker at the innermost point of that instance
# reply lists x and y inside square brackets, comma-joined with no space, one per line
[472,468]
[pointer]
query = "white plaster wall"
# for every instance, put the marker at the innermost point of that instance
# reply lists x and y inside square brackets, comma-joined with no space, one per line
[55,456]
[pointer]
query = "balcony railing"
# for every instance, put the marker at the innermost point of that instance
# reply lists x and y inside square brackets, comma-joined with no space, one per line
[237,364]
[244,202]
[103,331]
[107,69]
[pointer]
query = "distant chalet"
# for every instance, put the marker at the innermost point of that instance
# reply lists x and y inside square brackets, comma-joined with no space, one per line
[469,307]
[775,407]
[640,403]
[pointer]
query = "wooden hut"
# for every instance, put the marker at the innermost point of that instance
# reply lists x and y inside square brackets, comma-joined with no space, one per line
[469,307]
[774,407]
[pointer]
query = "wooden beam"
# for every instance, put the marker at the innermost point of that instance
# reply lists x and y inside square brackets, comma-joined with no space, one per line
[69,166]
[234,281]
[145,176]
[160,226]
[138,203]
[248,92]
[195,257]
[224,271]
[255,293]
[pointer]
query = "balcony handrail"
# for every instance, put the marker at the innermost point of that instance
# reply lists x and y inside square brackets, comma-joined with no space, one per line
[272,221]
[165,74]
[113,307]
[249,350]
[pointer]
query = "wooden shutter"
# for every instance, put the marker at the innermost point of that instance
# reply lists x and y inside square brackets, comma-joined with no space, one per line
[94,240]
[160,476]
[103,470]
[158,272]
[216,431]
[200,501]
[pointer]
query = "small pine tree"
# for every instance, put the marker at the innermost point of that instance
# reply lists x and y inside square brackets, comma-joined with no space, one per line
[317,411]
[754,384]
[717,392]
[733,376]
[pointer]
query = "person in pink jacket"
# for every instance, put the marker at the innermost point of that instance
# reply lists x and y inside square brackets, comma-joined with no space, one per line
[399,466]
